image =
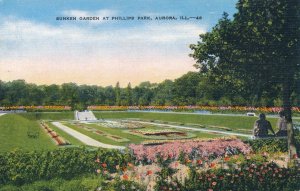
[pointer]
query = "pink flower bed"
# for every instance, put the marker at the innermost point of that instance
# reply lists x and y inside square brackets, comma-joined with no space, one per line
[206,148]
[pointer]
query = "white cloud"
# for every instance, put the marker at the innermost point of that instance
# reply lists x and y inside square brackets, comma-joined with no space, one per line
[17,30]
[28,48]
[28,39]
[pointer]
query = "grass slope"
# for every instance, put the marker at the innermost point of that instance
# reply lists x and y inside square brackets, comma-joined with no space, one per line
[67,115]
[13,134]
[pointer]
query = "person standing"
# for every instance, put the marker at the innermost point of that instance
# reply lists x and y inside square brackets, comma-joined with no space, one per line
[262,127]
[282,125]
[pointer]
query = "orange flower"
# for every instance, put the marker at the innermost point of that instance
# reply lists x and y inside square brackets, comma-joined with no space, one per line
[226,159]
[104,165]
[212,165]
[199,162]
[149,172]
[130,164]
[125,177]
[295,156]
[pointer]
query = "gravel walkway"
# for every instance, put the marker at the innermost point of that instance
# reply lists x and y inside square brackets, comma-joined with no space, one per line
[85,139]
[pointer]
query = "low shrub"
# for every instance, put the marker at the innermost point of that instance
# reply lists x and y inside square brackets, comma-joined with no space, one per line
[19,167]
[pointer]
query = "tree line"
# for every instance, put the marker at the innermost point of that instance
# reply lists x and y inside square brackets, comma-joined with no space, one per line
[193,88]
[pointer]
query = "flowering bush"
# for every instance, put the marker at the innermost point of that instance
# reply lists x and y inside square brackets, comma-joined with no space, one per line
[200,149]
[247,177]
[19,167]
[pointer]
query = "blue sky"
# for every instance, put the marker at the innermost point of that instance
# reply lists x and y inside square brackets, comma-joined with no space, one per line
[37,48]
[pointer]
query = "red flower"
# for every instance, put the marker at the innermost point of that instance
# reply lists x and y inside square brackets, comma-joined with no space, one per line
[226,159]
[149,172]
[295,156]
[212,165]
[199,162]
[104,165]
[125,177]
[221,177]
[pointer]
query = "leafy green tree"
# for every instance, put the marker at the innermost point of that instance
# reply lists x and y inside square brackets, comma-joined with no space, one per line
[53,94]
[256,51]
[110,96]
[118,94]
[69,93]
[185,89]
[129,95]
[163,93]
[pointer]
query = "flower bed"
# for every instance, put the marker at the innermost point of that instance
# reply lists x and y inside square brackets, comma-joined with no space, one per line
[216,147]
[163,134]
[54,136]
[121,124]
[193,108]
[104,134]
[38,108]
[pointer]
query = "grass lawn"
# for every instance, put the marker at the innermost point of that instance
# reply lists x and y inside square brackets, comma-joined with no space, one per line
[118,132]
[95,136]
[13,134]
[233,122]
[66,115]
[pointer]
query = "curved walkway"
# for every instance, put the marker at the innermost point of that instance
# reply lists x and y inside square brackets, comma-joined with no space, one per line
[85,139]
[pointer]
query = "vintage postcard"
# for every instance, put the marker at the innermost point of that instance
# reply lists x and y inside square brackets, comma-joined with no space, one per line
[152,95]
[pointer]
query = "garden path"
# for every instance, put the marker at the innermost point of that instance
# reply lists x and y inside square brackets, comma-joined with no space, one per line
[85,139]
[2,114]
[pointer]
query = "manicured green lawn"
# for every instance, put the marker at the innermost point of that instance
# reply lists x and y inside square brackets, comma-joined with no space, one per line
[137,139]
[13,134]
[95,136]
[66,115]
[233,122]
[119,132]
